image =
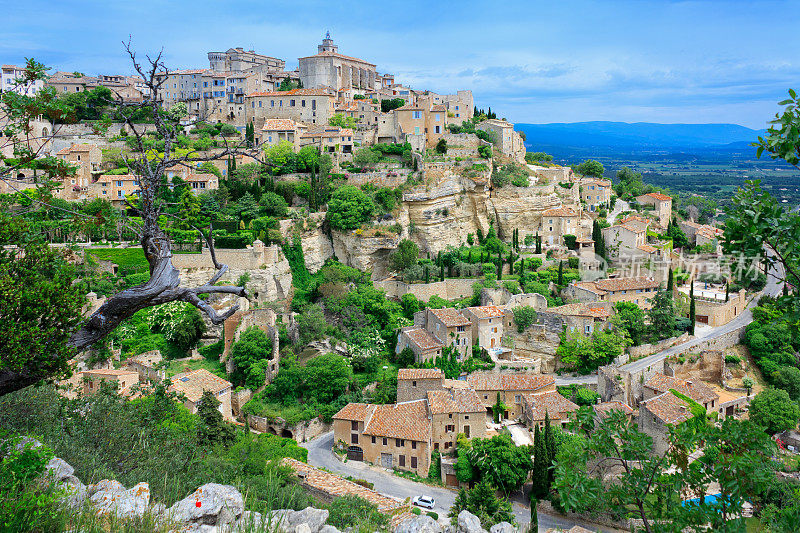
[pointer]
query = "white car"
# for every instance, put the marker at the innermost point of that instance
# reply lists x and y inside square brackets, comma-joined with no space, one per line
[424,501]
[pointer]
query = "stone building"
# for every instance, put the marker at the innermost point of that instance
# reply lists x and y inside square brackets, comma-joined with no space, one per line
[455,411]
[415,383]
[239,60]
[583,317]
[509,142]
[147,365]
[511,388]
[336,141]
[662,204]
[595,192]
[556,223]
[125,379]
[114,188]
[638,290]
[193,384]
[329,68]
[10,75]
[309,106]
[126,88]
[535,408]
[660,412]
[694,389]
[277,130]
[487,325]
[428,121]
[626,239]
[87,157]
[424,345]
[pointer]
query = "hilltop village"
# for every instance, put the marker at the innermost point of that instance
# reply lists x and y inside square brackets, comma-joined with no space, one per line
[415,289]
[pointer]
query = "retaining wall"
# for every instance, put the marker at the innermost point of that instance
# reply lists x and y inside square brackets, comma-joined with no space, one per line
[449,289]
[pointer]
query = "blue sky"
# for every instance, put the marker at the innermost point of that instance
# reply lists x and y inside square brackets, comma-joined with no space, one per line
[563,61]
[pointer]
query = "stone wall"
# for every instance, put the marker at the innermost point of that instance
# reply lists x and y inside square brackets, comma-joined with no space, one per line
[732,338]
[300,432]
[449,289]
[250,258]
[643,350]
[708,366]
[238,399]
[616,384]
[720,313]
[391,178]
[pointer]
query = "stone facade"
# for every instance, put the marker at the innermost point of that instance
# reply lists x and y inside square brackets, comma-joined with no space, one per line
[329,68]
[509,142]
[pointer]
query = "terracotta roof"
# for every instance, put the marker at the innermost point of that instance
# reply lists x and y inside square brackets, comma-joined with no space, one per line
[456,384]
[668,408]
[580,309]
[602,183]
[341,56]
[280,124]
[293,92]
[353,411]
[658,196]
[454,401]
[695,389]
[201,176]
[328,132]
[410,107]
[559,212]
[77,148]
[548,402]
[420,373]
[338,486]
[690,224]
[603,409]
[406,420]
[438,107]
[424,340]
[194,383]
[450,317]
[626,284]
[108,372]
[589,286]
[647,248]
[512,381]
[486,311]
[634,226]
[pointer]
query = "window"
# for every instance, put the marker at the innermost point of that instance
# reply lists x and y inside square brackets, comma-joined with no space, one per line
[437,129]
[466,417]
[417,114]
[302,103]
[373,439]
[413,445]
[354,425]
[449,428]
[291,103]
[413,462]
[119,183]
[402,459]
[517,398]
[438,118]
[354,438]
[79,157]
[399,443]
[460,329]
[413,383]
[385,441]
[260,103]
[456,109]
[588,329]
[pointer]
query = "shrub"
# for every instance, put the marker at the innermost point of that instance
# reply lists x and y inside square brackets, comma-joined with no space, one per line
[354,511]
[485,151]
[348,208]
[433,515]
[273,204]
[524,316]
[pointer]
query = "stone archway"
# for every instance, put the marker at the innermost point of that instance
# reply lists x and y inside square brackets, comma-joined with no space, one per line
[271,431]
[286,434]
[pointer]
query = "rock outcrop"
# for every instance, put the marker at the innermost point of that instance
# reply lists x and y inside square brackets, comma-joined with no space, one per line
[365,252]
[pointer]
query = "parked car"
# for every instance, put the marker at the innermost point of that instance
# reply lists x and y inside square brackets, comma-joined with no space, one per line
[424,501]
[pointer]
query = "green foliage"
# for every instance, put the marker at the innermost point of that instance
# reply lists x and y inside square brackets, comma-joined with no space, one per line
[630,318]
[357,513]
[538,157]
[782,140]
[586,354]
[212,428]
[773,337]
[482,501]
[524,316]
[661,317]
[311,324]
[406,255]
[324,379]
[441,146]
[348,208]
[485,151]
[273,205]
[366,157]
[390,104]
[774,410]
[590,167]
[250,354]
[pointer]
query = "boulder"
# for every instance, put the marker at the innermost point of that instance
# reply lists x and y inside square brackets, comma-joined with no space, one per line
[302,528]
[502,527]
[419,524]
[327,528]
[287,520]
[111,497]
[60,469]
[469,523]
[210,504]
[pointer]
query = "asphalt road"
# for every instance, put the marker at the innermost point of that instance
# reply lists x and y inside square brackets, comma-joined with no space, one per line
[320,455]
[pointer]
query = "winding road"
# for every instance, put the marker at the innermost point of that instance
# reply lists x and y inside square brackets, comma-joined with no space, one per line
[320,454]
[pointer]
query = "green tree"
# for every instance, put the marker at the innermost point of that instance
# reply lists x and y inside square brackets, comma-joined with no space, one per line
[348,208]
[407,254]
[40,307]
[482,501]
[250,355]
[550,447]
[273,205]
[441,146]
[524,316]
[788,379]
[630,317]
[500,462]
[560,282]
[692,311]
[661,316]
[342,121]
[774,410]
[366,157]
[590,167]
[212,428]
[782,140]
[540,465]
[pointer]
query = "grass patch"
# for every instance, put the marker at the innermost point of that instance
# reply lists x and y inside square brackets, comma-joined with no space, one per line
[129,260]
[176,366]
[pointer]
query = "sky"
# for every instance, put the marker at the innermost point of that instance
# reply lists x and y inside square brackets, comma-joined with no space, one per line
[533,62]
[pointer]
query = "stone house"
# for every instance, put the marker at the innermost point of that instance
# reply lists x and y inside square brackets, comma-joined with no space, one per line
[276,130]
[114,188]
[582,316]
[309,106]
[602,409]
[595,192]
[658,413]
[239,60]
[193,384]
[392,436]
[511,388]
[92,379]
[535,407]
[430,121]
[424,345]
[87,157]
[414,383]
[662,204]
[638,290]
[487,325]
[329,68]
[700,234]
[455,411]
[625,239]
[558,222]
[509,142]
[147,365]
[694,389]
[433,330]
[332,139]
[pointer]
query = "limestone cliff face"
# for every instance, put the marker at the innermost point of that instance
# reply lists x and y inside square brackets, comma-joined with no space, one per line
[521,208]
[365,251]
[444,213]
[537,344]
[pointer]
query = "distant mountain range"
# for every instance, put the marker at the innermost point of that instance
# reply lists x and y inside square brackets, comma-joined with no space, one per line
[638,136]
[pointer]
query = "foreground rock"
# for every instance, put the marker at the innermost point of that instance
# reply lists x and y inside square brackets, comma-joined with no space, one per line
[211,504]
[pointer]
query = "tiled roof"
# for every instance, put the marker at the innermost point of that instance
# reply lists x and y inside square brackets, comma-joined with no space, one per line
[424,340]
[548,402]
[327,53]
[194,383]
[486,311]
[108,372]
[695,389]
[626,284]
[580,309]
[406,420]
[513,381]
[420,373]
[559,212]
[602,409]
[634,226]
[438,107]
[658,196]
[279,124]
[647,248]
[338,486]
[450,317]
[668,408]
[589,286]
[353,411]
[595,181]
[77,148]
[454,401]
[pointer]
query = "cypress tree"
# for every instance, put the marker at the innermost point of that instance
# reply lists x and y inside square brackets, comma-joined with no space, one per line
[539,474]
[561,272]
[538,244]
[534,514]
[671,282]
[427,274]
[550,446]
[691,309]
[441,272]
[727,293]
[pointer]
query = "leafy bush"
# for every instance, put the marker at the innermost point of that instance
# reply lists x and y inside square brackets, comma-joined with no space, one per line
[250,354]
[348,208]
[355,512]
[524,316]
